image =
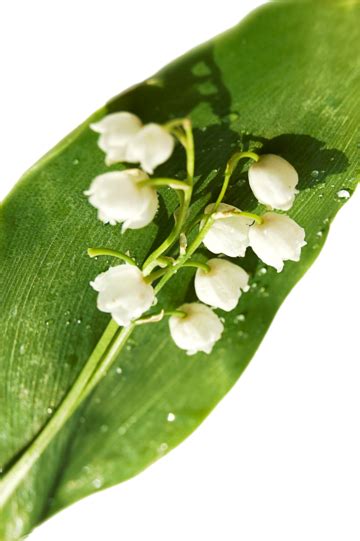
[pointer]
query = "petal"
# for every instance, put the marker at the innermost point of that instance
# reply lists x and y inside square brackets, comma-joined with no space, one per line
[221,287]
[124,293]
[198,331]
[273,181]
[123,123]
[151,146]
[229,236]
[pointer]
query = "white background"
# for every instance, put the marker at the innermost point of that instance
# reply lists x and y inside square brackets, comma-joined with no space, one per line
[278,460]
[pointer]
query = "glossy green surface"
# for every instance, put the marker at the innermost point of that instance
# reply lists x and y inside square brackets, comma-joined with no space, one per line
[286,81]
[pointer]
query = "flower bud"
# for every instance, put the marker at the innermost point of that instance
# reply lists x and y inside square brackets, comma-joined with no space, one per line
[151,146]
[123,293]
[228,235]
[221,286]
[277,239]
[120,197]
[123,138]
[198,330]
[273,181]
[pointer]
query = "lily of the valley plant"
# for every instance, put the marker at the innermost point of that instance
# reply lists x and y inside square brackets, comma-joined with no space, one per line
[130,197]
[128,291]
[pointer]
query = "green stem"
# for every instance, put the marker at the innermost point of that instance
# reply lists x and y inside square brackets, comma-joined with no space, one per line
[155,275]
[107,347]
[230,168]
[227,214]
[176,313]
[95,252]
[118,344]
[185,203]
[197,265]
[172,182]
[114,339]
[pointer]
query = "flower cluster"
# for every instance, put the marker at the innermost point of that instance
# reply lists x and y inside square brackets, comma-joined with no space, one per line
[130,197]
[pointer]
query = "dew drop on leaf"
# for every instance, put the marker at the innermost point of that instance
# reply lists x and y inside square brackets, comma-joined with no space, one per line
[171,417]
[97,483]
[163,447]
[343,194]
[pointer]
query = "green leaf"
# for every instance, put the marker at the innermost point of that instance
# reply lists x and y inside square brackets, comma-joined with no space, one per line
[285,80]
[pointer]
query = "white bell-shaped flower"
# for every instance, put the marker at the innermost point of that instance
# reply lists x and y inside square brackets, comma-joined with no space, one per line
[273,181]
[228,235]
[198,330]
[120,197]
[116,130]
[222,285]
[151,146]
[277,239]
[123,293]
[123,138]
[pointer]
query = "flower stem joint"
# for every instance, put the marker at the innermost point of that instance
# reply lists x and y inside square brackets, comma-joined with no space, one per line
[128,291]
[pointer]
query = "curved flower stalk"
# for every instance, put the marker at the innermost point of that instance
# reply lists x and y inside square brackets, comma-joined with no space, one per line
[130,197]
[127,291]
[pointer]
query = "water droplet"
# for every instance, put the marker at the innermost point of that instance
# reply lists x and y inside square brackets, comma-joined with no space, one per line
[343,194]
[79,321]
[49,322]
[239,318]
[67,313]
[263,292]
[262,270]
[321,195]
[118,370]
[104,428]
[315,173]
[97,483]
[67,322]
[49,411]
[233,116]
[22,349]
[154,81]
[76,161]
[163,447]
[171,417]
[18,526]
